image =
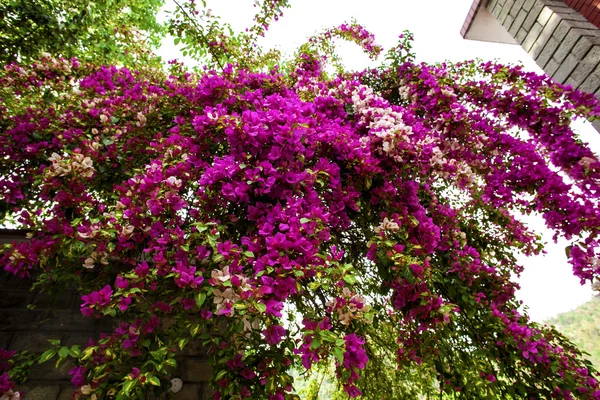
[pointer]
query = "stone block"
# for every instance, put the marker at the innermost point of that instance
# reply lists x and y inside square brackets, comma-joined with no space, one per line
[546,34]
[80,338]
[14,320]
[196,370]
[591,84]
[40,391]
[532,36]
[561,30]
[494,8]
[521,35]
[566,68]
[68,321]
[551,25]
[508,21]
[59,301]
[48,371]
[516,25]
[582,47]
[547,51]
[66,393]
[533,15]
[5,339]
[537,49]
[562,9]
[207,392]
[596,124]
[555,3]
[14,298]
[491,4]
[505,10]
[516,7]
[583,24]
[35,342]
[551,67]
[528,4]
[567,44]
[544,16]
[13,282]
[571,82]
[189,391]
[587,66]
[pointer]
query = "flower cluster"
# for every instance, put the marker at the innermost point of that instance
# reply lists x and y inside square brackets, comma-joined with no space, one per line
[217,205]
[77,164]
[350,306]
[7,386]
[355,358]
[356,33]
[99,300]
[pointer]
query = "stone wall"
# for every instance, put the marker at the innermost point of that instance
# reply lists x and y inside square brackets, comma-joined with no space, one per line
[560,40]
[58,317]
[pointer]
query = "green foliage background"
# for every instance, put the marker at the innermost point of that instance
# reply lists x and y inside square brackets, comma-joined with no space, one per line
[582,326]
[100,31]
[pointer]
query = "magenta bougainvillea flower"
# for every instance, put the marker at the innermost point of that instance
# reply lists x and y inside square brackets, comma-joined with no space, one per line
[379,208]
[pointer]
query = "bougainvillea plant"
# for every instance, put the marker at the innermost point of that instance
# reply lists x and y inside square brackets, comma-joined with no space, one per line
[284,218]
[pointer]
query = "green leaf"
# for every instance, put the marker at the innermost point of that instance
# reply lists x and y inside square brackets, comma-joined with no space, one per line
[350,279]
[171,362]
[63,352]
[339,354]
[328,336]
[220,375]
[194,330]
[153,380]
[200,298]
[75,351]
[110,311]
[183,342]
[271,385]
[315,343]
[249,254]
[127,386]
[47,355]
[262,307]
[87,353]
[568,250]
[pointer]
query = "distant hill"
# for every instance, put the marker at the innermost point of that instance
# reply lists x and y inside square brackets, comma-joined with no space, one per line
[582,326]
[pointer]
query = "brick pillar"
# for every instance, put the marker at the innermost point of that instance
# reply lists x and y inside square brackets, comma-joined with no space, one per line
[560,40]
[590,9]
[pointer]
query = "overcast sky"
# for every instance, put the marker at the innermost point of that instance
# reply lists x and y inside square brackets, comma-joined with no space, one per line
[548,285]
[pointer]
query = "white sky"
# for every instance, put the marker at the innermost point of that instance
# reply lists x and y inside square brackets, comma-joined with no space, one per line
[548,285]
